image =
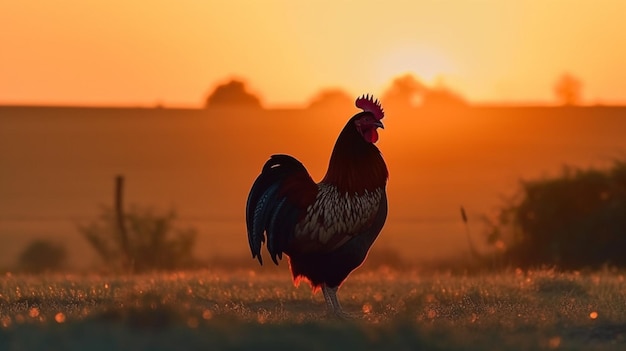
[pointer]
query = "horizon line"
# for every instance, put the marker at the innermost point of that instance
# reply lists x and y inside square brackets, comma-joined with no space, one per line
[156,106]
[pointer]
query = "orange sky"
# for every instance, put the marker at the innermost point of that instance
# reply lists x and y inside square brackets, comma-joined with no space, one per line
[173,52]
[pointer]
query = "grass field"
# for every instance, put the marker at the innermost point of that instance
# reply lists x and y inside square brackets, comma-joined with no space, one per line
[203,310]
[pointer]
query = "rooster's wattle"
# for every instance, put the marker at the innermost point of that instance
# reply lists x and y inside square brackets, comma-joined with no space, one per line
[326,229]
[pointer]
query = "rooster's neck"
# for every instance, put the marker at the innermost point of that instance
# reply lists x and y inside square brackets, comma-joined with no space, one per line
[355,164]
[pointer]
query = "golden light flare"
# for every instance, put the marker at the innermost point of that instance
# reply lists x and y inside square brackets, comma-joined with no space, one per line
[428,64]
[59,317]
[207,314]
[33,312]
[554,342]
[593,315]
[261,317]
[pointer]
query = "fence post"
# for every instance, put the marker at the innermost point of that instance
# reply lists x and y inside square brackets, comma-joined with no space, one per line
[121,223]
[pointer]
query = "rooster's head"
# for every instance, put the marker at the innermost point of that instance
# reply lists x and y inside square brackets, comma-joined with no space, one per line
[368,121]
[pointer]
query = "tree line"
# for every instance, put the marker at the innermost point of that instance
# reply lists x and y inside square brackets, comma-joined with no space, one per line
[405,91]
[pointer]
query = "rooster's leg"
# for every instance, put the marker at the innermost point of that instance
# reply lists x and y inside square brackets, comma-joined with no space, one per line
[329,302]
[332,303]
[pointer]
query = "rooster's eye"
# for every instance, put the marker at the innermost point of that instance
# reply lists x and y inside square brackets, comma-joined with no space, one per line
[365,120]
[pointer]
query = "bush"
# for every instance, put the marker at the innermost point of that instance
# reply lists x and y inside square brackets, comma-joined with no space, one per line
[576,220]
[152,242]
[232,94]
[42,256]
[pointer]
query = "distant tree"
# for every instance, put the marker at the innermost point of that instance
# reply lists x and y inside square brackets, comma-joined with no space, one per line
[232,94]
[568,90]
[442,97]
[331,98]
[405,91]
[42,256]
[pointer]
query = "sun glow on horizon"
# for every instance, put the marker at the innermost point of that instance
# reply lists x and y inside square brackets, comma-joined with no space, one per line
[427,64]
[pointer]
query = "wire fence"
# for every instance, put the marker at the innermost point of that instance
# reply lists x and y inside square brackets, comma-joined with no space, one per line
[207,219]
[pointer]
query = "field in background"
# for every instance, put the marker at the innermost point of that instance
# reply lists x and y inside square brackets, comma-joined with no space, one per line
[58,164]
[399,310]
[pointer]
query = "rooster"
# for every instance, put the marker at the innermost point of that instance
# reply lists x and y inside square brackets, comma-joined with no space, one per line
[325,229]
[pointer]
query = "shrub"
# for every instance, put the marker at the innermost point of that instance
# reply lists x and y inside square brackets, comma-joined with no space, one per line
[152,241]
[573,221]
[42,256]
[232,94]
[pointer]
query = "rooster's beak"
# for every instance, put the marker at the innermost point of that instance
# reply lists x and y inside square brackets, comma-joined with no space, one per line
[379,124]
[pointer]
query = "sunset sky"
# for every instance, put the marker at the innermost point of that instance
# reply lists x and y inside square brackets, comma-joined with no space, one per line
[174,52]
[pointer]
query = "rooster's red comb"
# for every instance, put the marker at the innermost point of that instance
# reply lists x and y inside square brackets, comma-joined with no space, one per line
[368,104]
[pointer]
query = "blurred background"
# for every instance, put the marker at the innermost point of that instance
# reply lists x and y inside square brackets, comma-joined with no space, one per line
[187,101]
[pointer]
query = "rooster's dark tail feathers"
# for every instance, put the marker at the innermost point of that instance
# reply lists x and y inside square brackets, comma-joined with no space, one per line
[265,202]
